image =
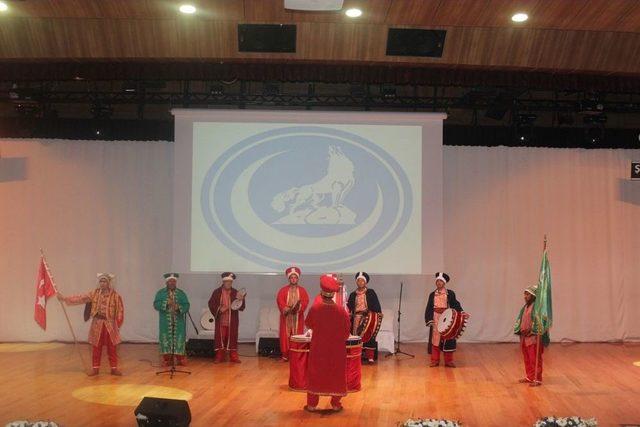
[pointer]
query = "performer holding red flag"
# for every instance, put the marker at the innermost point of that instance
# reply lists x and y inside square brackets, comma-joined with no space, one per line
[45,289]
[107,312]
[326,370]
[227,319]
[292,300]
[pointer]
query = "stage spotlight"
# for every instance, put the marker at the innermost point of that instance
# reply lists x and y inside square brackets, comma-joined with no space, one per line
[217,89]
[270,89]
[357,91]
[187,9]
[3,7]
[594,134]
[524,127]
[519,17]
[565,119]
[101,110]
[353,13]
[590,106]
[130,86]
[595,119]
[388,92]
[526,119]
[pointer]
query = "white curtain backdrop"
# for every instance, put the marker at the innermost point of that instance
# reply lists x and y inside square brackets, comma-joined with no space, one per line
[107,206]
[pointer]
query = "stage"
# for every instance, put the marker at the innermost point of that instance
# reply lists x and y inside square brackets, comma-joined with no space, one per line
[44,381]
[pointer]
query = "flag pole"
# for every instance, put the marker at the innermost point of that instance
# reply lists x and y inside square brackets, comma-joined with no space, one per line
[535,379]
[66,315]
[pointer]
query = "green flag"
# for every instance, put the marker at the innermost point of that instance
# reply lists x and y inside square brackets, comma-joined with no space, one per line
[542,307]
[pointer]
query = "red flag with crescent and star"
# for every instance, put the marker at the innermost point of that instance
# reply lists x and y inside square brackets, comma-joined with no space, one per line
[45,288]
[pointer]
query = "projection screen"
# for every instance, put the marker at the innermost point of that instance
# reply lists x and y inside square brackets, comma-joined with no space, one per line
[256,191]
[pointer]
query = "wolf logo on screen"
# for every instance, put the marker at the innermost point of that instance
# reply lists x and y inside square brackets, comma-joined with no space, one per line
[320,202]
[321,197]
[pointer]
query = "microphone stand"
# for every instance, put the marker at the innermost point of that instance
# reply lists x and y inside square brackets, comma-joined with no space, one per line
[397,351]
[172,371]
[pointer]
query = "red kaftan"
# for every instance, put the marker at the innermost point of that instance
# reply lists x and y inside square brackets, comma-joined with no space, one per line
[326,370]
[293,323]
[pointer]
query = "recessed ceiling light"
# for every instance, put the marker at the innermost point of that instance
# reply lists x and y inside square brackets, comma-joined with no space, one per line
[520,17]
[187,8]
[353,13]
[3,6]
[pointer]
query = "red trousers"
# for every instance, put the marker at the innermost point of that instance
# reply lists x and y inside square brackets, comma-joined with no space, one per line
[369,353]
[179,358]
[529,355]
[313,399]
[222,352]
[435,354]
[105,339]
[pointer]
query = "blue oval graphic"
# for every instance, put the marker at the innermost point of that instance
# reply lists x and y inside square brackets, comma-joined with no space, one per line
[309,182]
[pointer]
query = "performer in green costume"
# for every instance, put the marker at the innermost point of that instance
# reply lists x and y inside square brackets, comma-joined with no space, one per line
[172,304]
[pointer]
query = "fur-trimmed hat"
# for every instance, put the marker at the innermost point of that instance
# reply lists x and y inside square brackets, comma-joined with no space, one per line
[169,276]
[363,275]
[107,276]
[227,275]
[442,276]
[293,270]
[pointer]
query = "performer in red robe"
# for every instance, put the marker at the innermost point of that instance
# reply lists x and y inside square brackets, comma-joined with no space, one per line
[227,319]
[326,369]
[292,302]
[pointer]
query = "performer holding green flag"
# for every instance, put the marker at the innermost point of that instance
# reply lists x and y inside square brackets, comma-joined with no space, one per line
[172,304]
[533,323]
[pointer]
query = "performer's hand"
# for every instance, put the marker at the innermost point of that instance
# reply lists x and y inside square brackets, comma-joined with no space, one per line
[223,309]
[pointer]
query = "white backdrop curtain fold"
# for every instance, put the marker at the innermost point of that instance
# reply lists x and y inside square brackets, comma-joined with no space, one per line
[107,206]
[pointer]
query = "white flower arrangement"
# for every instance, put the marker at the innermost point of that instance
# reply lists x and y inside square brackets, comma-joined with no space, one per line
[25,423]
[566,422]
[431,422]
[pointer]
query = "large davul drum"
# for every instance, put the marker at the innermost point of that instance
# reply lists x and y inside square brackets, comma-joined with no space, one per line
[298,357]
[451,324]
[354,363]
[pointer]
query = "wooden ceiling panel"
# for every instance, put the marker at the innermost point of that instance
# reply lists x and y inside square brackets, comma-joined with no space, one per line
[599,36]
[125,9]
[119,39]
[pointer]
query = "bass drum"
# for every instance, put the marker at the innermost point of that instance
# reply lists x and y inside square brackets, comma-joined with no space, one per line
[208,321]
[370,326]
[451,324]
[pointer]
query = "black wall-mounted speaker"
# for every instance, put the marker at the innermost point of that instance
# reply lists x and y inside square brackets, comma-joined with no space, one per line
[415,42]
[278,38]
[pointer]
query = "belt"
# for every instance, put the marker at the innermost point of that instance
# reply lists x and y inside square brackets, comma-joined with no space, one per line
[100,316]
[439,310]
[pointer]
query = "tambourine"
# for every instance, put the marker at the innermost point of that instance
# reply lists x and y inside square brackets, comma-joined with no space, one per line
[207,320]
[237,303]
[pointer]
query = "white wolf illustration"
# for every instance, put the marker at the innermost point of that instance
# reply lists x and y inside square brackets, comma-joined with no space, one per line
[337,183]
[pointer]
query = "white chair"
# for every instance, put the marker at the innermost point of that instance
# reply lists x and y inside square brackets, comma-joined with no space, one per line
[268,324]
[386,335]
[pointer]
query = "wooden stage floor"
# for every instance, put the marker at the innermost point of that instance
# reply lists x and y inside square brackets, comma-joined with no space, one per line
[589,380]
